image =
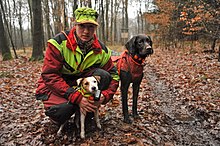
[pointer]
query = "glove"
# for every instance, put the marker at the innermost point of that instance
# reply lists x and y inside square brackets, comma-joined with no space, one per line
[75,97]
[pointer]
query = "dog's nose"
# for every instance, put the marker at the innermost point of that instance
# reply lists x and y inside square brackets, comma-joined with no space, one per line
[93,88]
[149,50]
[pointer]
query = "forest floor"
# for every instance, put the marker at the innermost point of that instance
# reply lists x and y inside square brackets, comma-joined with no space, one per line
[179,104]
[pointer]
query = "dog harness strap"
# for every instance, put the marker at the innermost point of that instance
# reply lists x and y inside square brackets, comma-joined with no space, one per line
[84,93]
[132,59]
[135,57]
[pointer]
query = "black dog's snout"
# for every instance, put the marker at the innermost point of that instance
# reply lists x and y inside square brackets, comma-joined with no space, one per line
[149,50]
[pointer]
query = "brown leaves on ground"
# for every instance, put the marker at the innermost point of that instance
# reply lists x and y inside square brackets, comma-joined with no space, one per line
[178,105]
[193,74]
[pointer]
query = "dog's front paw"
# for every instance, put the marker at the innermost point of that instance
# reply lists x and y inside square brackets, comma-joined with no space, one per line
[136,116]
[99,126]
[128,121]
[59,133]
[82,135]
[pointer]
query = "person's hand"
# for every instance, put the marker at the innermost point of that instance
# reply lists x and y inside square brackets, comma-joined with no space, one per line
[87,106]
[101,100]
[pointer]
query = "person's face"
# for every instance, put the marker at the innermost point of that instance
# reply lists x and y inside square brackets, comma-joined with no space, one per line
[85,31]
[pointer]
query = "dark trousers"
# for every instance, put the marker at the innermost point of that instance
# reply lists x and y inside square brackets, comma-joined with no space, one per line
[60,110]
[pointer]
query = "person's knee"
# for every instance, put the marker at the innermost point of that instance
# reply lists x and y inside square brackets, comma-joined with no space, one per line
[62,112]
[105,78]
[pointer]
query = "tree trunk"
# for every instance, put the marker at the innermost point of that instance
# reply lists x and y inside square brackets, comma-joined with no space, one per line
[56,14]
[9,34]
[107,21]
[75,6]
[31,16]
[96,4]
[89,3]
[115,20]
[103,22]
[20,25]
[14,27]
[37,53]
[6,54]
[112,19]
[138,22]
[123,14]
[47,19]
[126,15]
[63,17]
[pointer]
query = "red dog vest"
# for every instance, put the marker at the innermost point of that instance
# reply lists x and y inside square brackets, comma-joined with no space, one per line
[126,63]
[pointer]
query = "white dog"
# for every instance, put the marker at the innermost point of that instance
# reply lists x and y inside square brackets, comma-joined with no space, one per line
[88,86]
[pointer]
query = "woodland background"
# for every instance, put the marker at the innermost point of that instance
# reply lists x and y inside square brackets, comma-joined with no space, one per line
[171,23]
[179,99]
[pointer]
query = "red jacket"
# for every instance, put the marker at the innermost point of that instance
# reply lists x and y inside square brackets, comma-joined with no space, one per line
[52,80]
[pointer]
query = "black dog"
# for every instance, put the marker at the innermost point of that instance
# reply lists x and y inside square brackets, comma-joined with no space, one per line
[130,68]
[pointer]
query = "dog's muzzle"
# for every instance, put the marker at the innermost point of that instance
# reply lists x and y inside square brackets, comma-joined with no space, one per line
[149,51]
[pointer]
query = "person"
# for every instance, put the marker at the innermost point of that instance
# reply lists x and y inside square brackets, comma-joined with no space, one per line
[71,55]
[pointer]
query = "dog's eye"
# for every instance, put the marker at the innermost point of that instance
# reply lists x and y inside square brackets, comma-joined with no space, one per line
[140,42]
[86,83]
[94,81]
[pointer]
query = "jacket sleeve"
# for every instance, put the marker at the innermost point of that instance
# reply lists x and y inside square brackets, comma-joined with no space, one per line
[109,93]
[51,73]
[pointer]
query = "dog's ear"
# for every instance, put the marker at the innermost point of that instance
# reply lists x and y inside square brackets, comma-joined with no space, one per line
[150,40]
[79,81]
[98,78]
[130,45]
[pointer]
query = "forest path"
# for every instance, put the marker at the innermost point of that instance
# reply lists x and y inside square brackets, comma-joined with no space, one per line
[188,126]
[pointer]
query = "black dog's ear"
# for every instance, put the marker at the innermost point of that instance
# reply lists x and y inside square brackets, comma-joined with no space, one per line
[130,45]
[150,40]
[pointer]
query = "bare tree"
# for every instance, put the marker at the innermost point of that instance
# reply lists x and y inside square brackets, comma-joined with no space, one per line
[102,23]
[75,6]
[116,9]
[47,18]
[107,20]
[6,54]
[56,14]
[126,14]
[112,19]
[13,23]
[37,53]
[124,27]
[31,16]
[20,24]
[9,34]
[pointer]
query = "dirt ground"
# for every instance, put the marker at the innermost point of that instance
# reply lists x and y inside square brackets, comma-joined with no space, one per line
[179,105]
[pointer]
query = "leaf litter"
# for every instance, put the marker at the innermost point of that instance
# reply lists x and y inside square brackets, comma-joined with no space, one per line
[179,104]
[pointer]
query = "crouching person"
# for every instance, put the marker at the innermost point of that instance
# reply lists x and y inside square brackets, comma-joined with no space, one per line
[71,55]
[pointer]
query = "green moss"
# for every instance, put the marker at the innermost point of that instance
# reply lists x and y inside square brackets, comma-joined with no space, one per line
[7,56]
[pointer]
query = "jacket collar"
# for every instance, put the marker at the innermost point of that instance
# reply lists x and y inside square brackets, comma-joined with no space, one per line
[96,47]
